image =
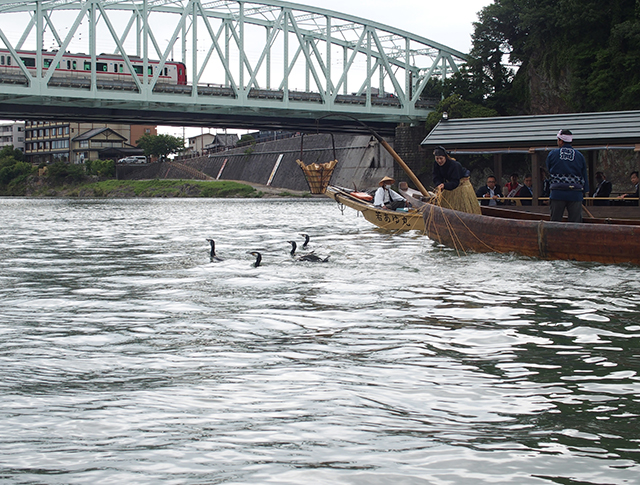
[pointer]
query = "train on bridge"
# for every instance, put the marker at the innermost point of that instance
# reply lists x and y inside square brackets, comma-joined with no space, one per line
[74,70]
[112,73]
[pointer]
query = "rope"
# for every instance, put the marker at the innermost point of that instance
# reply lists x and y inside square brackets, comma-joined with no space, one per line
[437,201]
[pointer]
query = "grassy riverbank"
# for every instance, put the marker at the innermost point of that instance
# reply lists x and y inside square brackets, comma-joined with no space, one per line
[153,188]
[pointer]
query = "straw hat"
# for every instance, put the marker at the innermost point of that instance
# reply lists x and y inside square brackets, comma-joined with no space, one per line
[385,180]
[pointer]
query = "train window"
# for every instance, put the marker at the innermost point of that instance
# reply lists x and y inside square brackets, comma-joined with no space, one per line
[47,63]
[2,60]
[150,70]
[101,66]
[87,66]
[8,60]
[138,69]
[166,71]
[68,64]
[28,61]
[115,67]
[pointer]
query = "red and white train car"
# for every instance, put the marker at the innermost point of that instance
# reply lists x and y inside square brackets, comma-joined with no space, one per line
[109,67]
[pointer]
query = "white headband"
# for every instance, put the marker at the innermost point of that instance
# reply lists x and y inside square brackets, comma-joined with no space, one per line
[565,138]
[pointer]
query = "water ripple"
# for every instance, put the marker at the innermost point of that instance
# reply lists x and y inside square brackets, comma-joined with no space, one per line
[126,356]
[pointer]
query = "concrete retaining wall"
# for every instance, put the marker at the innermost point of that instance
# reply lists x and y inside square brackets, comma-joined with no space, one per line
[362,161]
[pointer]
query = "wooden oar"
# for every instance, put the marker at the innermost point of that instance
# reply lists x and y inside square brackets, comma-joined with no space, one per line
[404,166]
[391,151]
[587,211]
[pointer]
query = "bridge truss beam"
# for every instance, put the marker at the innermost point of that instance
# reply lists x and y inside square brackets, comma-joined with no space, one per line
[267,61]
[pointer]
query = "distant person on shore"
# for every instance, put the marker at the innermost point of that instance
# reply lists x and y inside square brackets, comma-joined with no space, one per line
[451,180]
[569,181]
[603,189]
[386,197]
[634,180]
[490,192]
[526,190]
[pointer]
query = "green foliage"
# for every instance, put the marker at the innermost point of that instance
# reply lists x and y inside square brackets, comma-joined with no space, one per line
[246,139]
[60,171]
[101,168]
[13,171]
[9,152]
[160,145]
[571,56]
[168,188]
[456,107]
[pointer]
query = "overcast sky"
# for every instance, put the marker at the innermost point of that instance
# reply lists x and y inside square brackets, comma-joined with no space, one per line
[448,22]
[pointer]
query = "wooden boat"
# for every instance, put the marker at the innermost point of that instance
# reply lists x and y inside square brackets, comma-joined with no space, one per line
[384,218]
[506,231]
[502,231]
[509,231]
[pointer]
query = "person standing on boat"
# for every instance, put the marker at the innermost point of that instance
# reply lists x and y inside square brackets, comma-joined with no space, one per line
[385,197]
[569,181]
[452,183]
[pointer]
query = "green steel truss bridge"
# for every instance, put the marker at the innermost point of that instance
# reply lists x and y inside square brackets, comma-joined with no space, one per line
[248,64]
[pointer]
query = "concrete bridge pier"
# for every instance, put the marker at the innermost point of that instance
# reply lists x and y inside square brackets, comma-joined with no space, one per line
[407,146]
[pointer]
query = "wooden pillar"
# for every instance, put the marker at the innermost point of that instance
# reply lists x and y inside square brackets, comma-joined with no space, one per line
[591,170]
[497,167]
[535,177]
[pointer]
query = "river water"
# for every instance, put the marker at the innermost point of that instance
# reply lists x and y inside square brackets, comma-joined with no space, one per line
[126,356]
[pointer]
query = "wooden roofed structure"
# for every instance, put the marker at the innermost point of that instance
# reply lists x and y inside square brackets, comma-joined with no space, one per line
[536,135]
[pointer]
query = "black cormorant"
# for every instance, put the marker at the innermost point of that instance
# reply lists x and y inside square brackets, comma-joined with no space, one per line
[258,257]
[307,257]
[214,258]
[306,240]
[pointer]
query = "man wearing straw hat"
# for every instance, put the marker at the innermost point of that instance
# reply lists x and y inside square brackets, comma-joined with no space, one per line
[386,197]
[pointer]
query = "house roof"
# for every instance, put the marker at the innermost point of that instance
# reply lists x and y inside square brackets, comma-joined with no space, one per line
[522,134]
[224,140]
[87,135]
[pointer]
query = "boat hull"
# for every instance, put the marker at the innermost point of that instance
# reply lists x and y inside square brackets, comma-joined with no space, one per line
[383,218]
[604,243]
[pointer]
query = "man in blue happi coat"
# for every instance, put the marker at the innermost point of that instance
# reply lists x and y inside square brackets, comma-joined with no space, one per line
[568,179]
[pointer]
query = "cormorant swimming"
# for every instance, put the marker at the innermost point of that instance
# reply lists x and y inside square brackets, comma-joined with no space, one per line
[213,256]
[306,240]
[258,257]
[306,257]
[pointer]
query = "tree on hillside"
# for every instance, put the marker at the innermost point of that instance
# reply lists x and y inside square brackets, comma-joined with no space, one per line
[9,152]
[13,171]
[160,145]
[570,56]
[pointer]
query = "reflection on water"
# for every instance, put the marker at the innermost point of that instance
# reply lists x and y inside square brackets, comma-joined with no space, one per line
[128,357]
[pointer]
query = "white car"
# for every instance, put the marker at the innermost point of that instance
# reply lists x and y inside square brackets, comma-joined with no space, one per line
[133,159]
